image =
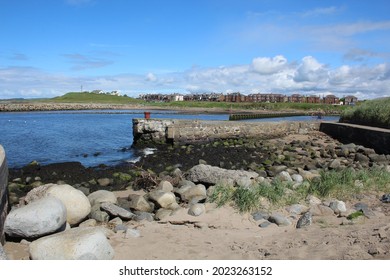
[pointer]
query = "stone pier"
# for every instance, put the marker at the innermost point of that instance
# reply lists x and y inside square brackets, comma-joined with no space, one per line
[370,137]
[161,131]
[3,192]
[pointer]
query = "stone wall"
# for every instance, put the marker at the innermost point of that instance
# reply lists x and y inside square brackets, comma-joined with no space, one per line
[370,137]
[192,131]
[3,192]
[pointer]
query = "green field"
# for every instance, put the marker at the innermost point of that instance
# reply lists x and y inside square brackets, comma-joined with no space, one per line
[86,97]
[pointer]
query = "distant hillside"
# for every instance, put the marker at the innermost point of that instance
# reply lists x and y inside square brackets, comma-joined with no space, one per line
[86,97]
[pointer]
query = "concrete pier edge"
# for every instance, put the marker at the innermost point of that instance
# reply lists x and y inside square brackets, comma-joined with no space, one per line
[3,192]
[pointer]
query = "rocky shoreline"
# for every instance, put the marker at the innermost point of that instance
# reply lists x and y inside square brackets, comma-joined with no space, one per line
[182,179]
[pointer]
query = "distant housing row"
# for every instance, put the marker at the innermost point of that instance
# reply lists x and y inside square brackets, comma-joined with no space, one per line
[257,97]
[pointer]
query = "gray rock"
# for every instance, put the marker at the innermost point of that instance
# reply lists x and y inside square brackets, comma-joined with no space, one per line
[313,200]
[260,215]
[338,207]
[196,209]
[321,210]
[115,222]
[163,213]
[296,209]
[276,169]
[212,175]
[116,211]
[245,182]
[41,217]
[98,214]
[279,219]
[73,244]
[104,182]
[385,198]
[139,203]
[305,220]
[187,193]
[362,158]
[377,158]
[141,216]
[265,224]
[297,178]
[186,183]
[165,186]
[335,164]
[102,196]
[165,200]
[284,176]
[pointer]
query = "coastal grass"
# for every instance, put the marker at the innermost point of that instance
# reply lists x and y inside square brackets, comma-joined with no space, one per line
[371,113]
[87,97]
[340,184]
[343,184]
[251,106]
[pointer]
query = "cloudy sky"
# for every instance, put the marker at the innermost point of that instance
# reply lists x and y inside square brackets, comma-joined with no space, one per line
[50,47]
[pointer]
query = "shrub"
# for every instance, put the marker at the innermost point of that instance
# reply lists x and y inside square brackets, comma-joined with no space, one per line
[372,113]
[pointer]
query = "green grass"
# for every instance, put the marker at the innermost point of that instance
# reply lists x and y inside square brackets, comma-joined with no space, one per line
[333,184]
[86,97]
[372,113]
[250,106]
[248,199]
[343,184]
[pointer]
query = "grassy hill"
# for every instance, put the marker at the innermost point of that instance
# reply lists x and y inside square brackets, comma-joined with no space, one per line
[86,97]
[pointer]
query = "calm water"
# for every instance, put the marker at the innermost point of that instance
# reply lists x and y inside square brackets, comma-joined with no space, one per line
[90,137]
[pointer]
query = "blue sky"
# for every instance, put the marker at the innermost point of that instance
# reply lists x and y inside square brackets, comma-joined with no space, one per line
[50,47]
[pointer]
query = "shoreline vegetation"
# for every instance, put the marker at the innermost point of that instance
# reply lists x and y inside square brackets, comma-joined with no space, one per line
[371,113]
[91,101]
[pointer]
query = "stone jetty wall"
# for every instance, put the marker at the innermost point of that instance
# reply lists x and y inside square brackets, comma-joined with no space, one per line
[370,137]
[193,131]
[3,192]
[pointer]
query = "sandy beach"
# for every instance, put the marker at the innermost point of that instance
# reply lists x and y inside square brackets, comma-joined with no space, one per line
[225,234]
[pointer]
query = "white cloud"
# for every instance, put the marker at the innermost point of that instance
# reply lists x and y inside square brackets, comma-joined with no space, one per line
[324,11]
[307,76]
[83,62]
[150,77]
[266,65]
[310,70]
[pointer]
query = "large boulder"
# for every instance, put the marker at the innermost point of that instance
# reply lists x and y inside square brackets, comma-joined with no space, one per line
[41,217]
[77,204]
[163,199]
[208,174]
[74,244]
[102,196]
[187,193]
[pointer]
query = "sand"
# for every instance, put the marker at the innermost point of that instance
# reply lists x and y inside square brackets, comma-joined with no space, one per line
[225,234]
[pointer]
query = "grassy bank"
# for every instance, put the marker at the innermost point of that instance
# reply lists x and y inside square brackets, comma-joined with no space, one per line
[85,97]
[333,184]
[372,113]
[251,106]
